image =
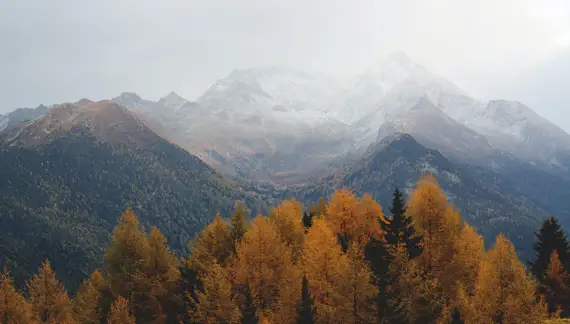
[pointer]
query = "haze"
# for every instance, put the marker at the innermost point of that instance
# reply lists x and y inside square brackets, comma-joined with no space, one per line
[64,50]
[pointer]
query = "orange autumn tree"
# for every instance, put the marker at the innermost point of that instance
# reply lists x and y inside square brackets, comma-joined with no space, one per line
[48,298]
[127,256]
[119,313]
[214,244]
[503,292]
[357,288]
[469,252]
[265,264]
[87,301]
[325,267]
[356,220]
[14,308]
[440,224]
[555,288]
[286,218]
[216,303]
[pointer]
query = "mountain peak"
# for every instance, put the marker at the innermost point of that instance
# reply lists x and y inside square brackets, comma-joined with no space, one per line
[173,100]
[104,119]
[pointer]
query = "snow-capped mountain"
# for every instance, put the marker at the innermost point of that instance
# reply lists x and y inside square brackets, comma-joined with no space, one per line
[271,120]
[268,119]
[505,125]
[274,94]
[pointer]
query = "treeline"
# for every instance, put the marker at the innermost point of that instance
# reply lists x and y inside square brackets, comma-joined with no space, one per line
[341,261]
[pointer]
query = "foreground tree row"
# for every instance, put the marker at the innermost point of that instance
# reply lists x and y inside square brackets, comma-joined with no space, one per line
[340,262]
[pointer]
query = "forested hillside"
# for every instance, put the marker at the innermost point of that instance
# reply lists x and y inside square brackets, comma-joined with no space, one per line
[400,159]
[343,262]
[61,200]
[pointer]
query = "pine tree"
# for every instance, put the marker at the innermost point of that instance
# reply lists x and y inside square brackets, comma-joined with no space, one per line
[238,224]
[411,294]
[306,308]
[550,237]
[119,313]
[399,228]
[87,301]
[307,220]
[249,311]
[14,308]
[49,300]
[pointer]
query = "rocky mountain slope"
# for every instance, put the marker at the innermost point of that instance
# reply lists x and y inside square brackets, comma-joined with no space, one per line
[20,115]
[67,177]
[399,160]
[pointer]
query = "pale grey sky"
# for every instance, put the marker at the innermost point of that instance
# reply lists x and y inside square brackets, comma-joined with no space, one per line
[62,50]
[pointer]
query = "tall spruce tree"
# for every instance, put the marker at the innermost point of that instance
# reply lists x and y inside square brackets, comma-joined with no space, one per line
[399,228]
[305,307]
[249,311]
[550,237]
[307,220]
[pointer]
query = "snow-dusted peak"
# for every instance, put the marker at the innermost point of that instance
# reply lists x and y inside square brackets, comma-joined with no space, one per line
[128,99]
[173,101]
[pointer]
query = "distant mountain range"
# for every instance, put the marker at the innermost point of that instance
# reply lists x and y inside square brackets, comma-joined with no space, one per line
[273,133]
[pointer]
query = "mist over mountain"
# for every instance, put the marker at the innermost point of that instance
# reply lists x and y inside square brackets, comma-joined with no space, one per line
[277,132]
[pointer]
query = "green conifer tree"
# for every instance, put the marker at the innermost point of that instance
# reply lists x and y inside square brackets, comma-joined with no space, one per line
[307,220]
[550,237]
[249,311]
[305,307]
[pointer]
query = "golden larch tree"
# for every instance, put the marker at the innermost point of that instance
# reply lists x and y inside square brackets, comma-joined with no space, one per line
[14,308]
[216,303]
[469,252]
[555,287]
[504,292]
[157,284]
[440,224]
[265,263]
[87,300]
[325,267]
[214,244]
[357,289]
[287,220]
[119,312]
[48,298]
[127,257]
[357,220]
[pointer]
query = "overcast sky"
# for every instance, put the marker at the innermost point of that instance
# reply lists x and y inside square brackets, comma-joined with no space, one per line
[60,50]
